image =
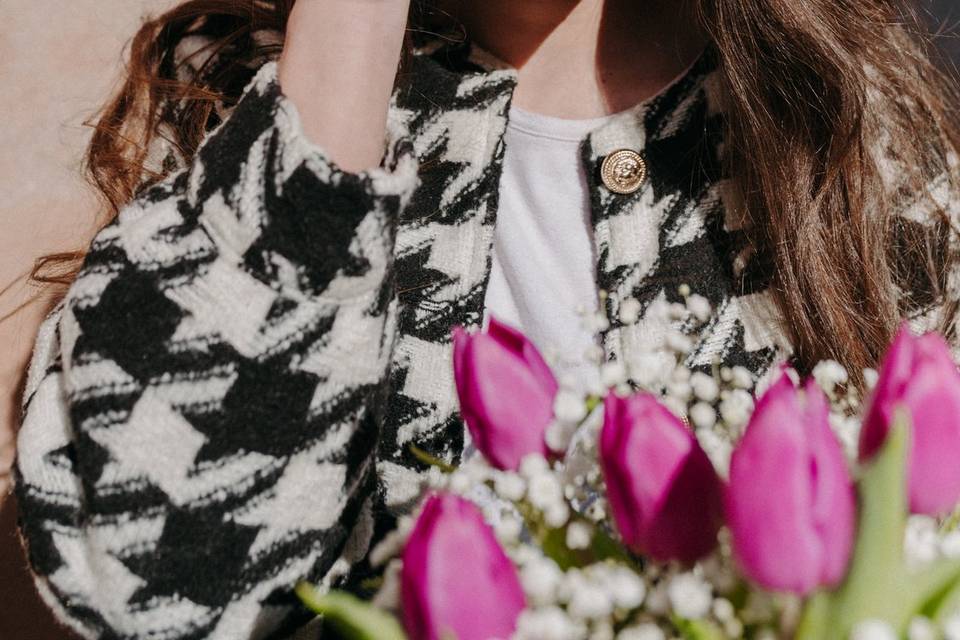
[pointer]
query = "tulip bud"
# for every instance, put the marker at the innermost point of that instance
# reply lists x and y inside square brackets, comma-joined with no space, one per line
[506,393]
[456,581]
[664,493]
[919,375]
[790,501]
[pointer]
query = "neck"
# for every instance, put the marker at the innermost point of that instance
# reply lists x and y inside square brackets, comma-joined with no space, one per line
[584,58]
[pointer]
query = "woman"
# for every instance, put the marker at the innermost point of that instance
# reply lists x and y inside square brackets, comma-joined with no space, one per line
[226,400]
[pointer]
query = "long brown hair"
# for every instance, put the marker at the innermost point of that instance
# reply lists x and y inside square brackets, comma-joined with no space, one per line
[837,118]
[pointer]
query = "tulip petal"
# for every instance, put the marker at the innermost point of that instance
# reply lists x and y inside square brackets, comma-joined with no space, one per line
[664,493]
[461,340]
[933,397]
[834,496]
[685,526]
[616,469]
[524,349]
[414,596]
[770,496]
[506,403]
[456,580]
[919,375]
[894,374]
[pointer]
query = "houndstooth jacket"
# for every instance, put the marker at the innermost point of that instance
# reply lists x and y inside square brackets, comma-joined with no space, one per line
[225,402]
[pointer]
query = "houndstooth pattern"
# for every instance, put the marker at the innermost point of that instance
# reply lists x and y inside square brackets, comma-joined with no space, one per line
[226,401]
[442,258]
[201,410]
[676,230]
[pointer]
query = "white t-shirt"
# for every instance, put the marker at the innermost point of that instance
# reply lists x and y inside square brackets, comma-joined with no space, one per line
[542,279]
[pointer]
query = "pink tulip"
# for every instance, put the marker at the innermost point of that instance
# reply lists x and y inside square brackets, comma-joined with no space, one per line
[790,502]
[919,375]
[664,493]
[506,393]
[456,581]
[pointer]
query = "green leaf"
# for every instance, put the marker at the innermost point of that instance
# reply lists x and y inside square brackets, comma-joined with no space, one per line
[605,547]
[592,403]
[431,460]
[698,629]
[351,617]
[815,622]
[936,592]
[873,588]
[553,543]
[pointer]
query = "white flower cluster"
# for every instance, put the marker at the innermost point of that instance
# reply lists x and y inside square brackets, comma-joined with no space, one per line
[716,404]
[618,601]
[845,401]
[578,603]
[920,628]
[928,541]
[612,599]
[615,596]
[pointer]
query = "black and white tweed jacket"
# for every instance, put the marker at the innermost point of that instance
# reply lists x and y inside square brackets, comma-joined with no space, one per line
[225,401]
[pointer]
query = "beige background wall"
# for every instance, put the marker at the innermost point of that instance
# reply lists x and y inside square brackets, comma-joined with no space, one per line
[58,60]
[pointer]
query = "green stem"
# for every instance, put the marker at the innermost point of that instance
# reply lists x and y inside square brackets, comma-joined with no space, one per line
[592,403]
[431,460]
[353,618]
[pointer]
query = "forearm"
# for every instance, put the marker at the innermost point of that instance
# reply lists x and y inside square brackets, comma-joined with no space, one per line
[338,67]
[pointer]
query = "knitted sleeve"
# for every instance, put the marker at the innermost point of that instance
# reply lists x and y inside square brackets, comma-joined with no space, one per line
[202,410]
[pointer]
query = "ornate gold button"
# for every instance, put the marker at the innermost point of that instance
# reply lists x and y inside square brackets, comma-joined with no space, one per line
[623,171]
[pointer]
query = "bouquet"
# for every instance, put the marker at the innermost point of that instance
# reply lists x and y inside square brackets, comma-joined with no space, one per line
[681,504]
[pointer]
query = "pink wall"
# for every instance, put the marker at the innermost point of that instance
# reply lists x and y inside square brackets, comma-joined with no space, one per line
[58,61]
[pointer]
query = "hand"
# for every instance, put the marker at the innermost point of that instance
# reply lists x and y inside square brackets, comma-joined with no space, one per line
[339,66]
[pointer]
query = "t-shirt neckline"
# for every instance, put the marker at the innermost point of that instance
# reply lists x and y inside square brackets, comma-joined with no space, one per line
[575,129]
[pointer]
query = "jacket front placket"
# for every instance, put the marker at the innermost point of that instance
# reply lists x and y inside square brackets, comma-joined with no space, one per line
[457,108]
[674,230]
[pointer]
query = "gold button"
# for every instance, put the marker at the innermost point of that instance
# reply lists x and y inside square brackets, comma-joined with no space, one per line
[623,171]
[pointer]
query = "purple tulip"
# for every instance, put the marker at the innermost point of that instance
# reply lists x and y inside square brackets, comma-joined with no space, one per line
[456,581]
[790,502]
[664,493]
[506,393]
[919,375]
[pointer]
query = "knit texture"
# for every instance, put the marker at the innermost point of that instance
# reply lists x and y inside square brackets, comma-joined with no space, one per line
[225,402]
